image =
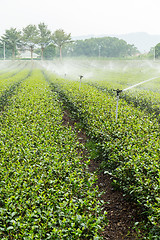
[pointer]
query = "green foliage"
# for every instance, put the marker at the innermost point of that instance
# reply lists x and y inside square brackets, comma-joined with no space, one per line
[12,39]
[128,149]
[44,37]
[30,34]
[46,192]
[157,50]
[125,74]
[110,47]
[8,51]
[9,86]
[30,37]
[104,47]
[49,52]
[60,38]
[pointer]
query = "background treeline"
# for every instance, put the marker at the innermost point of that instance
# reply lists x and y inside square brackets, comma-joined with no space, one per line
[102,47]
[40,40]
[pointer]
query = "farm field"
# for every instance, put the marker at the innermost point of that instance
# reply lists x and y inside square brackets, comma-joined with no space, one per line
[113,74]
[46,189]
[129,148]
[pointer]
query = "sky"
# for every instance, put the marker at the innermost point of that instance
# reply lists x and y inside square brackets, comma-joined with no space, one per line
[83,17]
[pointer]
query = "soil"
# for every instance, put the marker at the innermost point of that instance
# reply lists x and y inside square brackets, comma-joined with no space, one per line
[121,213]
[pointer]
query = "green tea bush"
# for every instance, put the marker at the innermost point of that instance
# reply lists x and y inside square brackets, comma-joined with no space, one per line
[9,86]
[46,191]
[129,149]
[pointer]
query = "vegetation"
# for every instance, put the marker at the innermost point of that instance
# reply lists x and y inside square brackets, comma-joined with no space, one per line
[129,149]
[101,47]
[12,39]
[49,52]
[38,38]
[30,34]
[157,50]
[60,38]
[44,37]
[46,191]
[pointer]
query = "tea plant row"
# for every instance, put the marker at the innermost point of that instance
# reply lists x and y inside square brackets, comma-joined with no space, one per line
[46,191]
[10,68]
[9,85]
[128,149]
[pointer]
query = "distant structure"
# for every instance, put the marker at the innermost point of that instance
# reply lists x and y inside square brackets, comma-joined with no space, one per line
[27,54]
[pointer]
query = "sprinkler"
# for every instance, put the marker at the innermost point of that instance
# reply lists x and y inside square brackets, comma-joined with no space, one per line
[118,91]
[80,77]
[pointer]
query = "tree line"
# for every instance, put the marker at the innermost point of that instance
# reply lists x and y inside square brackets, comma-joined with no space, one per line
[110,47]
[33,38]
[41,40]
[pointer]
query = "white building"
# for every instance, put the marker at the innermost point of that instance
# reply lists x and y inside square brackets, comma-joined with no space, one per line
[27,54]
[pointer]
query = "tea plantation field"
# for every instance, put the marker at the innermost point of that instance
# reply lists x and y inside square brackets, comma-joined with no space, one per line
[46,191]
[129,149]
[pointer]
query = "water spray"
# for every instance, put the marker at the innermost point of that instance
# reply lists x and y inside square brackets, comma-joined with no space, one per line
[118,91]
[80,77]
[140,83]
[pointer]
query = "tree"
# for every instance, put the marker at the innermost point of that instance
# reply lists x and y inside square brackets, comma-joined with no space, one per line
[104,47]
[44,38]
[8,51]
[49,51]
[60,38]
[156,50]
[30,37]
[12,39]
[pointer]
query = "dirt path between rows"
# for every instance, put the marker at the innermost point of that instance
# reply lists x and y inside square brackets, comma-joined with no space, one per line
[121,213]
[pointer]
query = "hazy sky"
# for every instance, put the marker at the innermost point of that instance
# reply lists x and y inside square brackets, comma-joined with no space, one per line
[83,17]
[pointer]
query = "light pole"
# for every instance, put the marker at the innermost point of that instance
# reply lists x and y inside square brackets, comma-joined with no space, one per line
[99,51]
[154,53]
[4,51]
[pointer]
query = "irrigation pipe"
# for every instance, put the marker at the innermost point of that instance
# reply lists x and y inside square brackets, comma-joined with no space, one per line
[80,81]
[118,91]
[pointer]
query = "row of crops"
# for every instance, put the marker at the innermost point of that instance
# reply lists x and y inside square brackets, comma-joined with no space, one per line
[129,150]
[146,96]
[46,191]
[109,75]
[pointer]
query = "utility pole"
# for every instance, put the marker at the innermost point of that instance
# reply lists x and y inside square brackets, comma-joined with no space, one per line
[99,51]
[154,53]
[4,51]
